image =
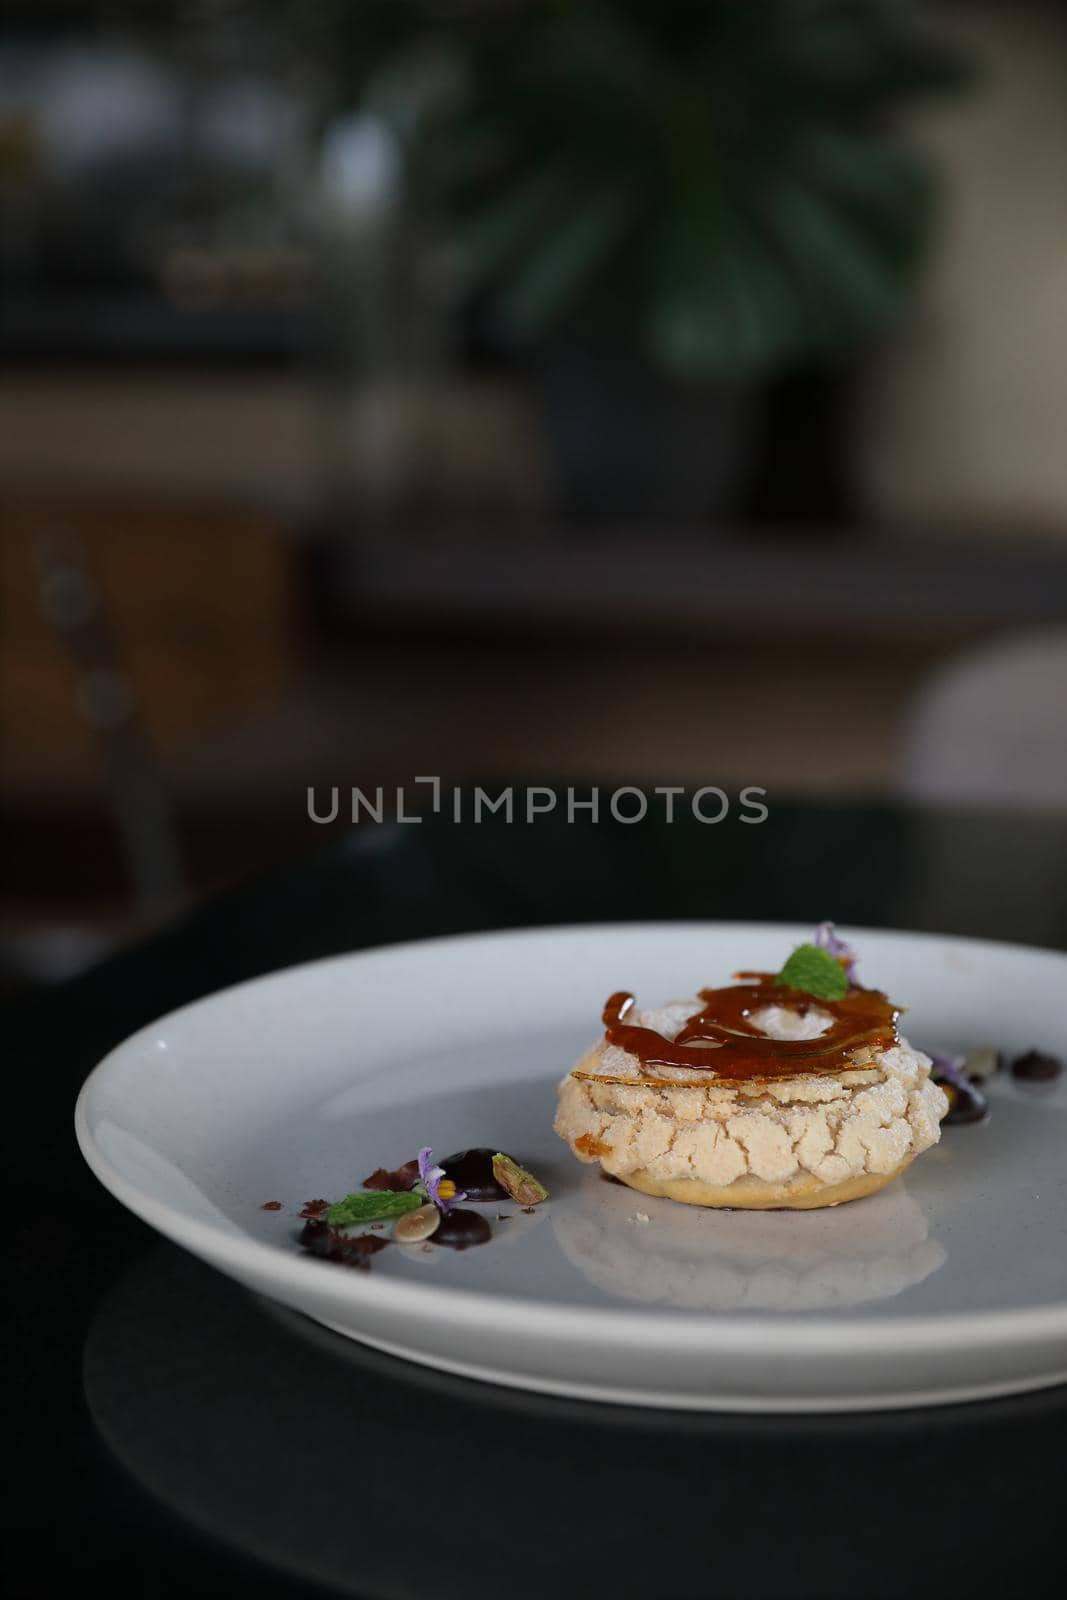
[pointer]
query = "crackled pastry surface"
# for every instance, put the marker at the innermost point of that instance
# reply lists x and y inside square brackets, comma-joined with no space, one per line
[808,1139]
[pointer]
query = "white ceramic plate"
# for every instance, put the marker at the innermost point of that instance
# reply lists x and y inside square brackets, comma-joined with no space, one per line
[949,1285]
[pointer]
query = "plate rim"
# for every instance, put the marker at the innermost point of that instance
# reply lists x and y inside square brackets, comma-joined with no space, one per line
[622,1327]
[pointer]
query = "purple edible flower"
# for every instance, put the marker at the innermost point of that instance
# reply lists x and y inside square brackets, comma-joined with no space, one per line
[430,1177]
[826,939]
[953,1069]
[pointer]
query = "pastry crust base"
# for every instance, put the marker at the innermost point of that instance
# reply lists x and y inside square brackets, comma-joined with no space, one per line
[802,1193]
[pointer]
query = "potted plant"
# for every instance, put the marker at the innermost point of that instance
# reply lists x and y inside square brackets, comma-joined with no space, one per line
[660,205]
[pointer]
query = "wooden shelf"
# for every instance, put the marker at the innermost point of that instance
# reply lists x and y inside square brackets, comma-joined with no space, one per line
[702,581]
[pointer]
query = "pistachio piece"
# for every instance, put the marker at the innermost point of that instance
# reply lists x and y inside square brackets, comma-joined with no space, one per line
[415,1226]
[521,1185]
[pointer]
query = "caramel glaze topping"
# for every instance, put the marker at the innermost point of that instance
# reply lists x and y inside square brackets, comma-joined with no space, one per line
[720,1041]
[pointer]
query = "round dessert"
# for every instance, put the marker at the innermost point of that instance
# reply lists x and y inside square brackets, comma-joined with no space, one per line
[757,1095]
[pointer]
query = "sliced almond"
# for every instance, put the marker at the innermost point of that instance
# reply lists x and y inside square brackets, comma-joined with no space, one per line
[415,1226]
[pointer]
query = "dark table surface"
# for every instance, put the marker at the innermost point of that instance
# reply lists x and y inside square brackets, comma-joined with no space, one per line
[175,1436]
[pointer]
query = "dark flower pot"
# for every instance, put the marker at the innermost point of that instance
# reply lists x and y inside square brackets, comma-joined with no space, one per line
[629,443]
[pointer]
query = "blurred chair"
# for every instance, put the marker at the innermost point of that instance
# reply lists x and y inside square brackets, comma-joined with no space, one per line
[990,728]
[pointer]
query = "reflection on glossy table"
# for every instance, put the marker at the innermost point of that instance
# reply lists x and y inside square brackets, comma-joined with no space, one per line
[178,1437]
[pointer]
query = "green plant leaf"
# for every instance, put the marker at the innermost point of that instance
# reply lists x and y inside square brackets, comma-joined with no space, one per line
[373,1206]
[815,972]
[558,269]
[511,221]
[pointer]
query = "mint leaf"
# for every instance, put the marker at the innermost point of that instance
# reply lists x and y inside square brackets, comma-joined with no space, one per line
[372,1207]
[816,972]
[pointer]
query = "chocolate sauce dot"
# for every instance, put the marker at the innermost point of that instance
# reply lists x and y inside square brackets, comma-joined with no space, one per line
[458,1229]
[1036,1066]
[966,1103]
[331,1245]
[472,1173]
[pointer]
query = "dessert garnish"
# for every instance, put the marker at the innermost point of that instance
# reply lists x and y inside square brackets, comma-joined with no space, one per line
[472,1171]
[827,938]
[330,1245]
[966,1102]
[983,1062]
[434,1183]
[813,970]
[415,1226]
[961,1077]
[1036,1066]
[862,1017]
[720,1041]
[371,1206]
[460,1228]
[421,1199]
[521,1185]
[402,1178]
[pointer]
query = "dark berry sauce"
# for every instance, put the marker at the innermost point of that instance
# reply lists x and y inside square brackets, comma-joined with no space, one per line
[1036,1066]
[459,1229]
[472,1173]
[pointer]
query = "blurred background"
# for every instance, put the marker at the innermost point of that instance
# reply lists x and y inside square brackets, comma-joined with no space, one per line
[594,393]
